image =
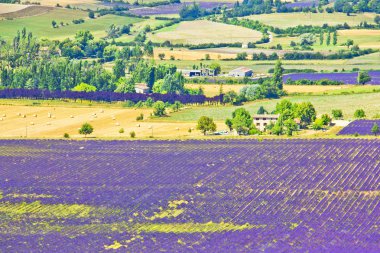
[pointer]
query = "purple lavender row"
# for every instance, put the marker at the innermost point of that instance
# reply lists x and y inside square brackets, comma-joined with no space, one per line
[361,127]
[321,194]
[175,8]
[346,78]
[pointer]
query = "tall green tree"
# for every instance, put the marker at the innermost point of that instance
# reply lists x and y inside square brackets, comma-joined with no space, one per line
[328,39]
[119,69]
[335,38]
[206,124]
[241,121]
[277,75]
[363,77]
[321,35]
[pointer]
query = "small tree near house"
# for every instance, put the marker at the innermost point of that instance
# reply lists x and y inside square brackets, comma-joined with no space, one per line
[206,124]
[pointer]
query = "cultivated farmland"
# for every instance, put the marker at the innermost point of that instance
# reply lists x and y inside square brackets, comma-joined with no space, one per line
[317,195]
[7,8]
[41,25]
[203,31]
[361,127]
[363,38]
[34,122]
[283,20]
[346,78]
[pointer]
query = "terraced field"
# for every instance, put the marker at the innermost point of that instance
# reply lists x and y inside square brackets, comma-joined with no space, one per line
[150,196]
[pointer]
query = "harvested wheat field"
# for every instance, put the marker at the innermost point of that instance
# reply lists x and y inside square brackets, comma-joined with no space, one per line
[7,8]
[211,90]
[64,2]
[191,55]
[364,38]
[203,31]
[53,122]
[27,11]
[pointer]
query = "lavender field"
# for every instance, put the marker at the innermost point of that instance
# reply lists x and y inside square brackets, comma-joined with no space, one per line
[175,8]
[346,78]
[302,4]
[361,127]
[190,196]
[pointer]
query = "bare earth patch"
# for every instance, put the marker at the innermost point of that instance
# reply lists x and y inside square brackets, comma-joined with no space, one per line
[26,12]
[203,31]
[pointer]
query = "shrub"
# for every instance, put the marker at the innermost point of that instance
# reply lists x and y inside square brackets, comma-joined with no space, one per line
[337,114]
[359,114]
[140,117]
[66,135]
[86,129]
[121,130]
[159,108]
[132,134]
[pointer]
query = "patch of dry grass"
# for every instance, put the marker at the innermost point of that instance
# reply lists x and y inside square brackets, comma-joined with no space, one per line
[28,11]
[362,37]
[6,8]
[283,20]
[67,119]
[203,31]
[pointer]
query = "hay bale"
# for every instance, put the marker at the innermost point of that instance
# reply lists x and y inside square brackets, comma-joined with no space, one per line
[117,124]
[32,123]
[71,116]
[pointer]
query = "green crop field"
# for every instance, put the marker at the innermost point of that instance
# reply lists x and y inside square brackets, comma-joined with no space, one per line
[322,103]
[263,66]
[202,31]
[41,25]
[283,20]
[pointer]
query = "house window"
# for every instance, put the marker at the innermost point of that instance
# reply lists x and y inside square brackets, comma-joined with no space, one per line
[257,124]
[265,124]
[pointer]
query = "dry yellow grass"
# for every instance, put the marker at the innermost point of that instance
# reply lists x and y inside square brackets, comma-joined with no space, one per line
[186,54]
[211,90]
[362,37]
[312,88]
[6,8]
[64,2]
[203,31]
[28,11]
[68,119]
[283,20]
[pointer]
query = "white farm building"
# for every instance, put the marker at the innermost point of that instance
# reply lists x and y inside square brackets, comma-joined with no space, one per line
[241,72]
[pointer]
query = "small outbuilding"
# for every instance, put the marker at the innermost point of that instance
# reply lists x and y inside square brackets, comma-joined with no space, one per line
[241,72]
[141,88]
[261,121]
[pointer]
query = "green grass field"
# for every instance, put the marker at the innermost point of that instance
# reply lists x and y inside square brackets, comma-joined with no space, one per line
[41,25]
[323,104]
[283,20]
